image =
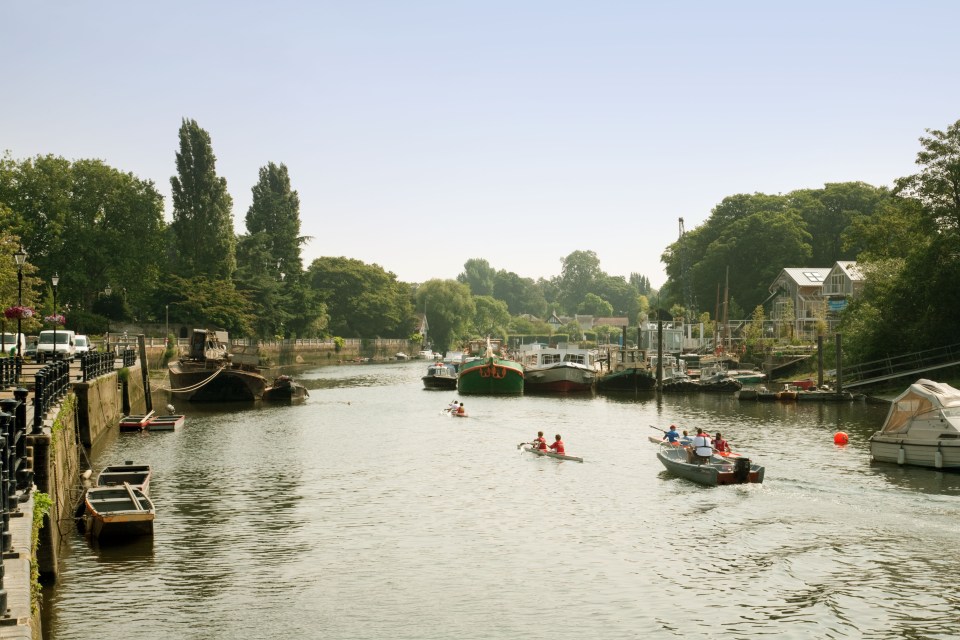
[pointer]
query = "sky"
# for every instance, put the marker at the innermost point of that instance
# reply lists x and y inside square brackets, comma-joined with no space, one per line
[421,134]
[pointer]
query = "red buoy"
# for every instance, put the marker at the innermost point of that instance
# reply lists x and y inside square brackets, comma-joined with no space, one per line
[840,438]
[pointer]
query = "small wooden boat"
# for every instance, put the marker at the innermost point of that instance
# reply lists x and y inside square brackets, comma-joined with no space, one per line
[549,454]
[118,512]
[135,423]
[285,389]
[116,475]
[166,423]
[717,471]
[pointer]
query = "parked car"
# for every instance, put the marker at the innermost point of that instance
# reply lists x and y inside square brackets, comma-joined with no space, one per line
[81,343]
[63,349]
[31,351]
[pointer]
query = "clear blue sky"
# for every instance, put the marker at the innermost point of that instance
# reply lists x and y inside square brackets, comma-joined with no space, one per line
[422,134]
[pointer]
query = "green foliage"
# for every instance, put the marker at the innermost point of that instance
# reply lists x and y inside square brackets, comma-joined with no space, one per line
[205,303]
[123,375]
[491,317]
[522,295]
[362,300]
[595,306]
[450,310]
[479,276]
[202,227]
[578,276]
[338,343]
[42,504]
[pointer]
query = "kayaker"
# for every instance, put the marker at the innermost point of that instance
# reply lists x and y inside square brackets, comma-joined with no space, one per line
[461,411]
[672,435]
[453,405]
[557,446]
[721,445]
[701,447]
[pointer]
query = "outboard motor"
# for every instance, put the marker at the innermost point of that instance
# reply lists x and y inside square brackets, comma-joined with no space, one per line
[741,470]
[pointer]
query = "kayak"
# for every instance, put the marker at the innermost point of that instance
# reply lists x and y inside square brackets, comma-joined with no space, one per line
[550,454]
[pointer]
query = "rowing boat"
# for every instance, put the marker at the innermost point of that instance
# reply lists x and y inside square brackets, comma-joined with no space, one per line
[717,471]
[550,454]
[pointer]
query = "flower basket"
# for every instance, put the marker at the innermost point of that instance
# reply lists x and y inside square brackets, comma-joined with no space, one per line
[57,319]
[18,312]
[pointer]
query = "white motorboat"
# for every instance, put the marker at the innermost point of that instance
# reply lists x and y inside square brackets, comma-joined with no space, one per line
[922,428]
[558,369]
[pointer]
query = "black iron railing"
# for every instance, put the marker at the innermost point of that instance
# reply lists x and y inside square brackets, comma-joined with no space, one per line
[96,363]
[52,383]
[14,473]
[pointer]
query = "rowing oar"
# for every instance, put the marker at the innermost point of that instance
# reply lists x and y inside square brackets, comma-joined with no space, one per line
[657,428]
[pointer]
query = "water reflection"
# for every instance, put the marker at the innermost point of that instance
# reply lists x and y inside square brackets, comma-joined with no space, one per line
[366,513]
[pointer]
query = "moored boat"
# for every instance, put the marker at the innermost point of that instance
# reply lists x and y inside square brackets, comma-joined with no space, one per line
[490,375]
[440,376]
[209,373]
[285,389]
[135,422]
[922,428]
[550,454]
[118,512]
[166,422]
[627,371]
[717,471]
[558,369]
[136,475]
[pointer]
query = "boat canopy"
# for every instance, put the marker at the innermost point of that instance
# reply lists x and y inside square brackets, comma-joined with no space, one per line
[923,399]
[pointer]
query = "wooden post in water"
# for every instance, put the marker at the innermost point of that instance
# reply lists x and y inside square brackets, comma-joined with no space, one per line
[659,351]
[839,388]
[144,369]
[819,361]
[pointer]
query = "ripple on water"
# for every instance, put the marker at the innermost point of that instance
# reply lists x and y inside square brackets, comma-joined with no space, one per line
[365,513]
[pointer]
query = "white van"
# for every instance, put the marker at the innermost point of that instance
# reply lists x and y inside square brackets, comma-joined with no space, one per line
[8,342]
[65,348]
[81,343]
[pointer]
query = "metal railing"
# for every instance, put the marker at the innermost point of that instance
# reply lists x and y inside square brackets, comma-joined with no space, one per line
[52,383]
[96,363]
[14,473]
[894,366]
[9,371]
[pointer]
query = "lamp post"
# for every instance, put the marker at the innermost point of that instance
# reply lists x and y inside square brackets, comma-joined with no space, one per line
[107,291]
[55,280]
[19,257]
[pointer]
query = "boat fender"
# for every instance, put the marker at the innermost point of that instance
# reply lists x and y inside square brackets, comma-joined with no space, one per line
[741,470]
[938,458]
[901,455]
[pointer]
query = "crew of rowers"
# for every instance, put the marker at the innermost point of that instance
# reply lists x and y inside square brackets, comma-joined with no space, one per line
[701,445]
[541,443]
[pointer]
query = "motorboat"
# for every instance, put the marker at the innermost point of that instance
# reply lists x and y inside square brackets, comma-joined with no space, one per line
[922,428]
[558,369]
[440,376]
[716,471]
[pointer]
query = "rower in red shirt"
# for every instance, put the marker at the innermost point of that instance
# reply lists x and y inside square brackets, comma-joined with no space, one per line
[557,446]
[540,442]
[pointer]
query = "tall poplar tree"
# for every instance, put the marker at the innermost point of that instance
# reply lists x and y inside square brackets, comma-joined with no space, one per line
[275,211]
[202,210]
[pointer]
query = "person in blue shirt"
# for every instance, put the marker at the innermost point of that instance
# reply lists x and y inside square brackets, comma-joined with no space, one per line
[672,435]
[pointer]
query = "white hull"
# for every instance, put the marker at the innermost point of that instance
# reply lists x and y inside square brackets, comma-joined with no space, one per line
[916,453]
[563,376]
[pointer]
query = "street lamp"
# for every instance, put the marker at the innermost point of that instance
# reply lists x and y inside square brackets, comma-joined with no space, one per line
[55,280]
[19,257]
[107,291]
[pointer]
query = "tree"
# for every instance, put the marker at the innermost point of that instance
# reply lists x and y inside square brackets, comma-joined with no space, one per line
[522,295]
[479,276]
[215,304]
[451,310]
[491,317]
[275,211]
[581,270]
[937,185]
[363,301]
[595,306]
[202,209]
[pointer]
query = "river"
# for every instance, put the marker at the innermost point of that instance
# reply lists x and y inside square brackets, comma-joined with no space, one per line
[365,513]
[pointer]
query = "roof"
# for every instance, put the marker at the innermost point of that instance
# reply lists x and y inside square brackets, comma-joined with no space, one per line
[850,269]
[808,276]
[612,322]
